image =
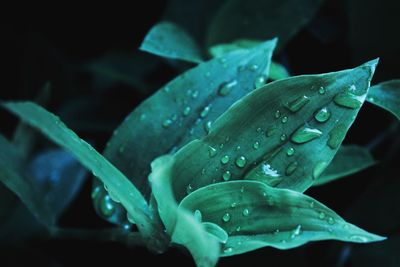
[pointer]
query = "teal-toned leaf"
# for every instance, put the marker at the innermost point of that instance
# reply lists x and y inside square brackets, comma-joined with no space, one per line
[169,40]
[256,215]
[277,72]
[118,185]
[260,20]
[183,110]
[182,226]
[273,134]
[387,96]
[348,160]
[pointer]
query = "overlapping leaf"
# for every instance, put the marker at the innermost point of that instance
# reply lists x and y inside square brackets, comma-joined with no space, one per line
[348,160]
[182,111]
[387,96]
[169,40]
[274,132]
[256,215]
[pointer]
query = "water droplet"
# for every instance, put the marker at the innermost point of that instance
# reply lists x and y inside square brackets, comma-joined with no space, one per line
[212,151]
[189,189]
[225,159]
[253,67]
[277,114]
[225,88]
[233,205]
[228,250]
[284,119]
[336,136]
[256,145]
[167,89]
[298,103]
[290,151]
[296,231]
[260,81]
[331,220]
[245,212]
[205,111]
[312,204]
[226,217]
[174,117]
[198,216]
[207,126]
[349,100]
[241,161]
[359,238]
[186,111]
[259,130]
[226,175]
[323,115]
[238,229]
[318,169]
[107,208]
[322,215]
[271,131]
[195,94]
[321,90]
[305,134]
[167,123]
[242,189]
[283,137]
[238,148]
[264,173]
[291,168]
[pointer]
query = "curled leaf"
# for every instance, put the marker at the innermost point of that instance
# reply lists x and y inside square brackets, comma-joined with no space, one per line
[256,215]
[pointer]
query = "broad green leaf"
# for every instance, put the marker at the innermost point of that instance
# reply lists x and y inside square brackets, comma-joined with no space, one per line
[169,40]
[284,134]
[182,226]
[348,160]
[387,96]
[276,71]
[260,20]
[118,185]
[183,110]
[256,215]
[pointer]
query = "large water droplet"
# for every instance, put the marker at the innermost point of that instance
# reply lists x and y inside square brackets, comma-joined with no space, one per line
[318,169]
[107,208]
[167,123]
[290,169]
[226,217]
[241,161]
[186,111]
[305,134]
[290,151]
[205,111]
[212,151]
[226,175]
[336,136]
[225,159]
[323,115]
[225,88]
[349,100]
[260,81]
[298,103]
[246,212]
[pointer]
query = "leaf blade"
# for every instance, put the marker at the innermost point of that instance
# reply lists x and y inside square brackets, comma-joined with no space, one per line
[261,216]
[387,96]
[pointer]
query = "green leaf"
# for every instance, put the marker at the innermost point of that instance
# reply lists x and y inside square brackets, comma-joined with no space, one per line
[118,185]
[169,40]
[387,96]
[256,215]
[182,226]
[260,20]
[274,133]
[183,110]
[348,160]
[277,72]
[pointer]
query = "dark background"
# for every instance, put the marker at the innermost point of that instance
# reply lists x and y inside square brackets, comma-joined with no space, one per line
[53,43]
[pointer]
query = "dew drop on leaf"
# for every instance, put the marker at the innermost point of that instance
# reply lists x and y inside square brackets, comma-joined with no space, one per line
[305,134]
[186,111]
[212,151]
[290,151]
[189,189]
[277,114]
[321,90]
[241,161]
[348,100]
[226,217]
[284,119]
[245,212]
[331,220]
[283,137]
[253,67]
[226,175]
[323,115]
[359,238]
[256,145]
[226,88]
[225,159]
[322,215]
[205,111]
[107,208]
[336,136]
[298,103]
[260,81]
[167,123]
